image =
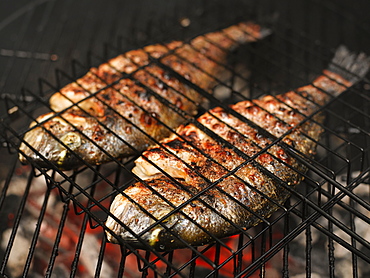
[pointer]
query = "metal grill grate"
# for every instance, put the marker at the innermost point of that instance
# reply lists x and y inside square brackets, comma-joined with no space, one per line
[52,222]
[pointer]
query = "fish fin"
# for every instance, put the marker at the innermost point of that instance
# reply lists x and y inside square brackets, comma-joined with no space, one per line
[351,66]
[264,32]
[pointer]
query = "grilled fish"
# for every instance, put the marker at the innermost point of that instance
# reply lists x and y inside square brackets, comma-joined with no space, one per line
[228,170]
[124,105]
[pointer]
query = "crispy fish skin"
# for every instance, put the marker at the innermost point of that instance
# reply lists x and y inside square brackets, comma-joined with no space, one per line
[104,115]
[196,188]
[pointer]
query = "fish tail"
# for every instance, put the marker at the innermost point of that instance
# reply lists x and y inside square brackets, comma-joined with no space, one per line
[241,33]
[345,69]
[251,31]
[350,66]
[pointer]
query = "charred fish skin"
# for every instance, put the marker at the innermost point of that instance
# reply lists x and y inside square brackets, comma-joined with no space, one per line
[205,189]
[112,116]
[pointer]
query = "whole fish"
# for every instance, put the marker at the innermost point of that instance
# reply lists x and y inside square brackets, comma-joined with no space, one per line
[119,108]
[230,169]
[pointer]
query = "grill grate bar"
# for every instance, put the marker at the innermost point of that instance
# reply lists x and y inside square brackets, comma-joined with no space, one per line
[239,256]
[168,269]
[7,183]
[98,269]
[54,254]
[122,261]
[308,250]
[353,242]
[36,233]
[17,220]
[331,249]
[74,265]
[285,270]
[262,269]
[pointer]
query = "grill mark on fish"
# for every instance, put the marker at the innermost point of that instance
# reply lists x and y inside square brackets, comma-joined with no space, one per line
[208,187]
[132,89]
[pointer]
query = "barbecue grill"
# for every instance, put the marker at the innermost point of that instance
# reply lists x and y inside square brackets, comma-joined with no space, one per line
[52,222]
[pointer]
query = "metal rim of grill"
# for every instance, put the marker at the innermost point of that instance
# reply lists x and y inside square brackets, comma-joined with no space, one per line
[328,212]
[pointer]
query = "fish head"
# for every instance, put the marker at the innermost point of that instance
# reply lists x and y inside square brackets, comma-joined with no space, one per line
[43,148]
[160,238]
[69,143]
[154,224]
[153,227]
